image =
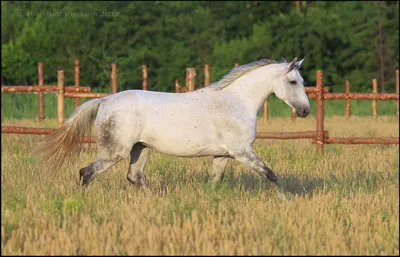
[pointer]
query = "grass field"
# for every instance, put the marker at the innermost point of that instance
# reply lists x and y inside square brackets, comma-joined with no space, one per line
[344,202]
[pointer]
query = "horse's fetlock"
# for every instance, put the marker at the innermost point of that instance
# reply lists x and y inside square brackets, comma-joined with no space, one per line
[271,176]
[136,178]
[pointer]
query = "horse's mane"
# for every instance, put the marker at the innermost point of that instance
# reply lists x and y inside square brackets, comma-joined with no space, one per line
[239,71]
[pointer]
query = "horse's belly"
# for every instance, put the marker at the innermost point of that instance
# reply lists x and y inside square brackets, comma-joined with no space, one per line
[185,146]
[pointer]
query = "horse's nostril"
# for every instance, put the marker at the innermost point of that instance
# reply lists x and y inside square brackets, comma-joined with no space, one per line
[306,111]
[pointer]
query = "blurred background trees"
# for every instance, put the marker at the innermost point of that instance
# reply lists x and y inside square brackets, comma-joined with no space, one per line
[351,40]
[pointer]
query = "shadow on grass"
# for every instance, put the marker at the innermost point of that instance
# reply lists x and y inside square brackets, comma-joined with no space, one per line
[249,182]
[302,186]
[291,184]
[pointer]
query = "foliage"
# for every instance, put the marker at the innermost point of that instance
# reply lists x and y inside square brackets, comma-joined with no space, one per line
[341,38]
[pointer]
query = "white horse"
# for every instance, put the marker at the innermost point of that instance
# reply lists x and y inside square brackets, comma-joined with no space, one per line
[219,121]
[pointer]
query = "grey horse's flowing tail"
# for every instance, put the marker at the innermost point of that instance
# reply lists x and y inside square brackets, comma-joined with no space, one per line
[62,145]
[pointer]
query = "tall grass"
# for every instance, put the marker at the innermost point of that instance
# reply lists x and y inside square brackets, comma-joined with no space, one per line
[344,202]
[25,105]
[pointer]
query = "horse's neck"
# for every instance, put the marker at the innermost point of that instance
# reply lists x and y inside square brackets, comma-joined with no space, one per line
[253,89]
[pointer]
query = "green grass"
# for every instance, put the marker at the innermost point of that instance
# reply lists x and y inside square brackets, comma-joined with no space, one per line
[25,106]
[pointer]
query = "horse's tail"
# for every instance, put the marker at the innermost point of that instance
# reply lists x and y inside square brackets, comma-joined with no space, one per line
[62,145]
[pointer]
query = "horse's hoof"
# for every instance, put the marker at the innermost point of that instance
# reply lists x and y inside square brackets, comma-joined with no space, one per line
[271,176]
[85,175]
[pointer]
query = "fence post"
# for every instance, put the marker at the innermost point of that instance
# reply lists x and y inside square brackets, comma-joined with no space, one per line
[265,114]
[77,83]
[144,75]
[60,97]
[397,92]
[206,75]
[190,81]
[348,107]
[320,112]
[1,102]
[176,86]
[41,94]
[114,78]
[293,114]
[374,90]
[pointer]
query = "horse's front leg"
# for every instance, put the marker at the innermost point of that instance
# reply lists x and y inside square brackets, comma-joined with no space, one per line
[248,157]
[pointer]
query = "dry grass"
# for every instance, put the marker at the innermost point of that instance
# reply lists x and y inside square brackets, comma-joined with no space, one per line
[346,202]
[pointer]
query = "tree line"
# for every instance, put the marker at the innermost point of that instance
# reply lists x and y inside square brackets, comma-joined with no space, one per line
[353,40]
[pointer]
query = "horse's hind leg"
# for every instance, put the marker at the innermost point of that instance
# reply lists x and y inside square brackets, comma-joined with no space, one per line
[139,155]
[95,168]
[218,168]
[112,147]
[250,159]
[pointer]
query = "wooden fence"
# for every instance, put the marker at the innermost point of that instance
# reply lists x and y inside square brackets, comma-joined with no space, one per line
[320,93]
[189,86]
[190,80]
[320,96]
[86,90]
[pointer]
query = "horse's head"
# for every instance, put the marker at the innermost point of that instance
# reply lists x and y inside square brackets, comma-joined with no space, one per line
[289,88]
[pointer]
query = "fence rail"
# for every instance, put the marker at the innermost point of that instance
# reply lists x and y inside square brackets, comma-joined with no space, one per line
[260,135]
[357,96]
[362,140]
[38,131]
[288,135]
[85,95]
[26,130]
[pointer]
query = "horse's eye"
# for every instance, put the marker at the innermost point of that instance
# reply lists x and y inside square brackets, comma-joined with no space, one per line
[293,82]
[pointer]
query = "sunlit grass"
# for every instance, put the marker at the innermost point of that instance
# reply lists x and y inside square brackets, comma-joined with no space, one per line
[344,202]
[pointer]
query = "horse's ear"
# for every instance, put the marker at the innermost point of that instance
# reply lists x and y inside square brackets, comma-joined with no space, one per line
[292,64]
[299,63]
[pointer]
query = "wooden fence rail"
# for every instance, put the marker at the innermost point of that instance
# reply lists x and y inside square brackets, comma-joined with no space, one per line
[26,130]
[288,135]
[362,140]
[260,135]
[85,95]
[357,96]
[38,131]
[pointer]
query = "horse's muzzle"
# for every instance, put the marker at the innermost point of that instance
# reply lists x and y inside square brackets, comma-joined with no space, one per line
[303,113]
